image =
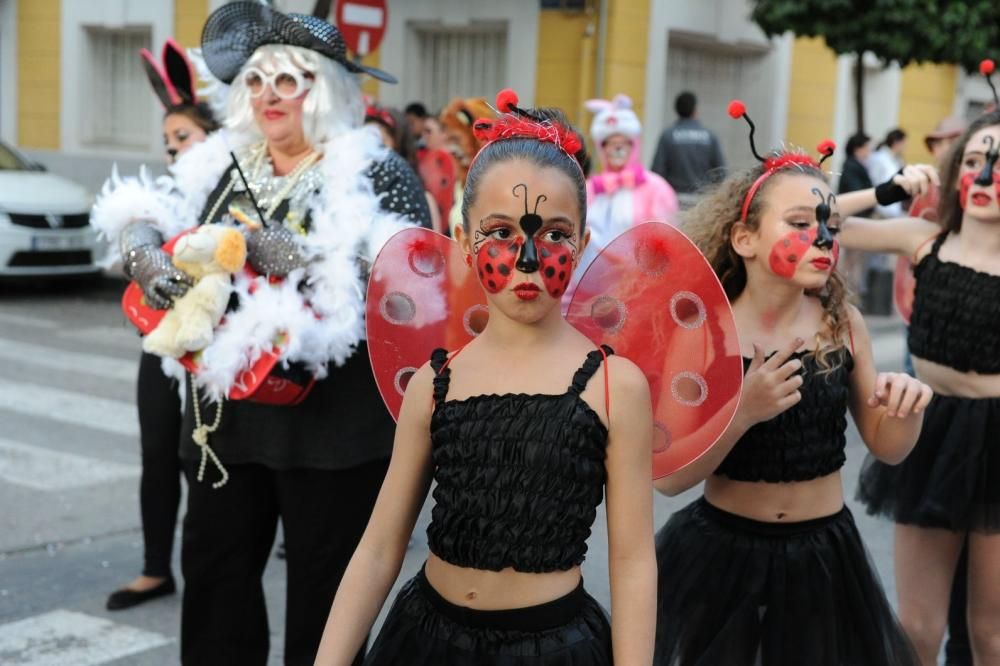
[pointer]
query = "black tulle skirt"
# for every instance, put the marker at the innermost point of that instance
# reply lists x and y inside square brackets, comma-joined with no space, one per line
[738,592]
[424,629]
[951,479]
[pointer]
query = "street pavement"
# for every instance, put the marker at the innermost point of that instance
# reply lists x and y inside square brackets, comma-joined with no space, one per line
[69,469]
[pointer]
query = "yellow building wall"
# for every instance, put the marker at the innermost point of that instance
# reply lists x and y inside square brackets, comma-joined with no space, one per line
[927,95]
[813,80]
[626,51]
[369,85]
[38,97]
[189,19]
[564,76]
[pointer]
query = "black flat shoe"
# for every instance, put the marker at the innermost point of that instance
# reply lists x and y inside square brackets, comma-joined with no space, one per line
[126,598]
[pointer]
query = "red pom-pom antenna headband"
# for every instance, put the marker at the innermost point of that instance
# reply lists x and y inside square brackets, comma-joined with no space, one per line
[784,160]
[517,123]
[986,68]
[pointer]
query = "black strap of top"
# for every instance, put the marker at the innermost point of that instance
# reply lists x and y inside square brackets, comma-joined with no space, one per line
[938,242]
[588,369]
[442,373]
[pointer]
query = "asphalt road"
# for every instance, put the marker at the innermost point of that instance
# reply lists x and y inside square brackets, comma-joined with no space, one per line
[69,468]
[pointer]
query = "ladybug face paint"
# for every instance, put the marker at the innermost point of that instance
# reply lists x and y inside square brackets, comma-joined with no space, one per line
[495,259]
[557,267]
[549,250]
[530,223]
[980,170]
[789,251]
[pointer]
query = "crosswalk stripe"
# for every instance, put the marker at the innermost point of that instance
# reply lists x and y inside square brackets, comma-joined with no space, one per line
[106,367]
[70,407]
[27,320]
[64,637]
[113,335]
[45,469]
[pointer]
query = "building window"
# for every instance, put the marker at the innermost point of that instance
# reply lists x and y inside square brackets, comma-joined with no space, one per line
[459,62]
[116,92]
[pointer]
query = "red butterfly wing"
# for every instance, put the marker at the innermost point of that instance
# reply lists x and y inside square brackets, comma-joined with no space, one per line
[652,296]
[421,296]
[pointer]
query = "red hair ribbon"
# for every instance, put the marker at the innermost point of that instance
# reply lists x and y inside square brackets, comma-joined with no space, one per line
[516,123]
[772,165]
[378,114]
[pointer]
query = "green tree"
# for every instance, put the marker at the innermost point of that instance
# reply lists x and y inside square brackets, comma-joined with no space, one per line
[905,31]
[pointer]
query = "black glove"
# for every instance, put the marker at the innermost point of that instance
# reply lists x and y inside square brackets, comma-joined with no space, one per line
[889,192]
[150,267]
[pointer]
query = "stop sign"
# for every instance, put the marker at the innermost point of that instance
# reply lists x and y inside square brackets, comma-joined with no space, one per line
[362,23]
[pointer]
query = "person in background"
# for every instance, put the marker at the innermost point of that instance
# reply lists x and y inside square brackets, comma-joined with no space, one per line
[416,116]
[433,136]
[326,194]
[688,155]
[853,177]
[957,649]
[187,121]
[624,193]
[884,163]
[396,135]
[457,119]
[940,141]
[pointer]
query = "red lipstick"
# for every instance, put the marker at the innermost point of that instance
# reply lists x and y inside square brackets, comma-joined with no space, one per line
[273,114]
[527,291]
[981,198]
[822,263]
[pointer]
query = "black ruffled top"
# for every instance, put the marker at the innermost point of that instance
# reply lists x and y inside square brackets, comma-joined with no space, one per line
[956,315]
[804,442]
[519,477]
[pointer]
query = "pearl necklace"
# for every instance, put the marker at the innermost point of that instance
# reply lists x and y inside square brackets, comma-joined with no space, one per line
[291,180]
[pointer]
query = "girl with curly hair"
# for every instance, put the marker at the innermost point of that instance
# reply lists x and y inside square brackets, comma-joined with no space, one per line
[768,566]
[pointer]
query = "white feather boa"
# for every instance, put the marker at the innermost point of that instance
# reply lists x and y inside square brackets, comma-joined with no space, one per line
[324,321]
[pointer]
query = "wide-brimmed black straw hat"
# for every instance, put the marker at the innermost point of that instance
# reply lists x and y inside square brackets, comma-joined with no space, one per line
[237,29]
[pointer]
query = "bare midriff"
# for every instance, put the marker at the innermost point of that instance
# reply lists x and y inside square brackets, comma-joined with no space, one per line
[948,381]
[789,502]
[480,589]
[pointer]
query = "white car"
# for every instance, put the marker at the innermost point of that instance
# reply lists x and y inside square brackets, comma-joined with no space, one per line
[44,221]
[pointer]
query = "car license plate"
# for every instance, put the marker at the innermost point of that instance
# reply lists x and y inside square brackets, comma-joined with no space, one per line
[57,242]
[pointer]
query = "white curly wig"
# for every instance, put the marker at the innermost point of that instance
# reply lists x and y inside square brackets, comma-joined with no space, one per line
[332,106]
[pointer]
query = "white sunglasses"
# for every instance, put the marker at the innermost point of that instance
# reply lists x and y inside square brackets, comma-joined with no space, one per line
[286,84]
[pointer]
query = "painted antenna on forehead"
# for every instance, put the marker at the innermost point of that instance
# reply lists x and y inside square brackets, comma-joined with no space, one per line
[985,176]
[986,68]
[825,206]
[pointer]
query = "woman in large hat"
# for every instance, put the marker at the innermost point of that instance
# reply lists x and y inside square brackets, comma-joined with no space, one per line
[319,195]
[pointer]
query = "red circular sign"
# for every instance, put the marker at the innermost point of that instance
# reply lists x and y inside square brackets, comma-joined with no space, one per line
[362,23]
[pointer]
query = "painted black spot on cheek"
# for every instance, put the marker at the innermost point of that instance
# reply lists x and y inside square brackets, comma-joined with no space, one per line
[545,253]
[512,247]
[549,271]
[504,269]
[562,258]
[492,284]
[493,251]
[489,268]
[562,275]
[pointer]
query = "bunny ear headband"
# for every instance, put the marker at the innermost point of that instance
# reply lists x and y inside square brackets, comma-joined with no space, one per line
[173,81]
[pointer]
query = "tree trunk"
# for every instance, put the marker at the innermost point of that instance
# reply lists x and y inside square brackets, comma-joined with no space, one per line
[322,9]
[859,91]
